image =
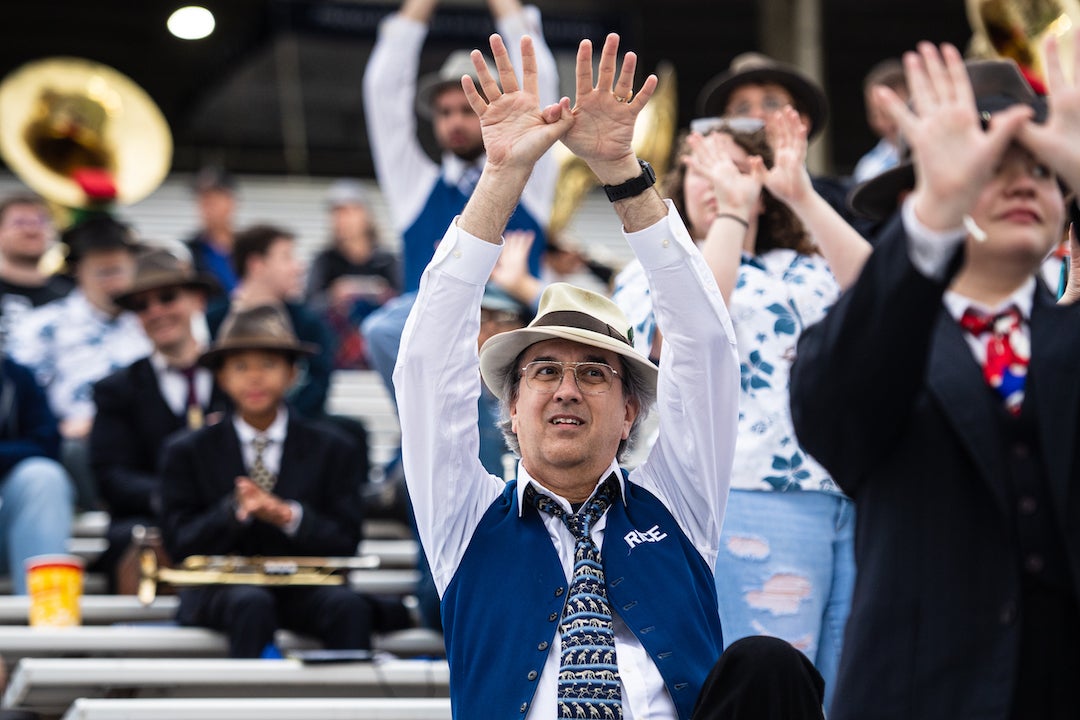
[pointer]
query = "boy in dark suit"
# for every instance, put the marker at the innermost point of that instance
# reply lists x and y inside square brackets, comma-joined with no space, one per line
[141,405]
[265,482]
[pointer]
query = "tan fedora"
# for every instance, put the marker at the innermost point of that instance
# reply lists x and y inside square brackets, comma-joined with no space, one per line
[265,327]
[567,313]
[158,268]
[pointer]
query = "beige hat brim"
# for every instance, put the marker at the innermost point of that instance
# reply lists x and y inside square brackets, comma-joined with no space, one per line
[503,349]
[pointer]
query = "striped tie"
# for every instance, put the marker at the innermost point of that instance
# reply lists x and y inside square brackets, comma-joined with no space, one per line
[588,673]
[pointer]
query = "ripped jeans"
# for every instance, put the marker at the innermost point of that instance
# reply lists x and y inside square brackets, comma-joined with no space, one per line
[786,569]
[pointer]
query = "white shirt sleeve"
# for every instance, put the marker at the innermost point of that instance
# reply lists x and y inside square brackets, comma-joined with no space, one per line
[437,379]
[404,171]
[930,251]
[689,466]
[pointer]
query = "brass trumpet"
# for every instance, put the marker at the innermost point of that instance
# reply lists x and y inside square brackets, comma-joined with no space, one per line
[1017,29]
[199,570]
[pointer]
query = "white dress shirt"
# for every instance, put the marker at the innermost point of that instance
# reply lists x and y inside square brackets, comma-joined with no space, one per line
[271,456]
[688,468]
[174,386]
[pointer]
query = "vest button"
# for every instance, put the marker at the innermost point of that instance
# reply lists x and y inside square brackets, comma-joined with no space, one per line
[559,591]
[553,617]
[532,674]
[542,646]
[524,707]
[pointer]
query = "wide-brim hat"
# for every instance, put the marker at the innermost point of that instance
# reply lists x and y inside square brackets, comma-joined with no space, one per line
[158,268]
[458,63]
[758,69]
[266,327]
[997,85]
[567,313]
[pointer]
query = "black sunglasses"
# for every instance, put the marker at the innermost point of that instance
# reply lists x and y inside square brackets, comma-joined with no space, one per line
[142,302]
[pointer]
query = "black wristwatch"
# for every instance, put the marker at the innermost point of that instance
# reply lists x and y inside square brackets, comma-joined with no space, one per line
[633,186]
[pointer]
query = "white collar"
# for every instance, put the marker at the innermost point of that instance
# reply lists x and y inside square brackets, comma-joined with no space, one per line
[1023,298]
[524,480]
[275,433]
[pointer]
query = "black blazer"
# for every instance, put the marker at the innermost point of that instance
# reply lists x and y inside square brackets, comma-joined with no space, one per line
[132,423]
[887,395]
[319,470]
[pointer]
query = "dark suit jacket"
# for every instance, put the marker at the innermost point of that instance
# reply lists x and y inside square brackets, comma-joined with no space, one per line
[319,468]
[887,395]
[133,420]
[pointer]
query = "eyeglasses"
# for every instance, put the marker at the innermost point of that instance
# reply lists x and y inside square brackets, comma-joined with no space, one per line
[165,297]
[704,126]
[545,376]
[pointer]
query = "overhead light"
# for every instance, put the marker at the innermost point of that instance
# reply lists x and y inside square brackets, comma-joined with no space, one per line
[191,23]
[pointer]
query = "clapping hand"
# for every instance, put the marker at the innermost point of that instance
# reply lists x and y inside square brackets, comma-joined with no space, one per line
[1057,142]
[605,112]
[954,158]
[735,192]
[788,179]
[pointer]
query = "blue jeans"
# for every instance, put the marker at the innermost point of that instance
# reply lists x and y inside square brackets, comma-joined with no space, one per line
[786,569]
[382,336]
[36,500]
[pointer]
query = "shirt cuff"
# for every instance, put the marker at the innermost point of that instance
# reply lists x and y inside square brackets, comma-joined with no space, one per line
[665,243]
[465,256]
[930,251]
[293,525]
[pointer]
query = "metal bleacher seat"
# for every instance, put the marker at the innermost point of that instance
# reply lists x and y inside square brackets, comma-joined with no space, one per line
[261,709]
[50,686]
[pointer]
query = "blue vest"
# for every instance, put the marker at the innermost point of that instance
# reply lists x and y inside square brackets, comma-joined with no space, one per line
[501,611]
[444,204]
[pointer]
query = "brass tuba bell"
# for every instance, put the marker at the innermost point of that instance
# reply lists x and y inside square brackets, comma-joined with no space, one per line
[1017,29]
[654,136]
[63,114]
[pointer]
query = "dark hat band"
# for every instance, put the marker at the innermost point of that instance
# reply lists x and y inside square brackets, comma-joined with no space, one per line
[575,319]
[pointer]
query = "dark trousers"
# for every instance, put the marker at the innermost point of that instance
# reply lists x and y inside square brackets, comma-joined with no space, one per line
[249,614]
[761,678]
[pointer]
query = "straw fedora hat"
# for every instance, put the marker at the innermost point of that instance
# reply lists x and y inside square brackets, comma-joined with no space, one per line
[757,69]
[158,268]
[458,63]
[567,313]
[997,85]
[265,327]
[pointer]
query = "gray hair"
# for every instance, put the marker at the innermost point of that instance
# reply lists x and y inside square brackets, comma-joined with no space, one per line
[632,387]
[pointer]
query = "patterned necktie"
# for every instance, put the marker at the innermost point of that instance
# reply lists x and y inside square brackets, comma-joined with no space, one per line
[469,178]
[194,411]
[588,674]
[259,473]
[1007,352]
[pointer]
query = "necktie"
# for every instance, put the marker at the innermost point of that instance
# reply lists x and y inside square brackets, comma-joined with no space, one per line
[194,410]
[468,180]
[258,472]
[588,674]
[1007,352]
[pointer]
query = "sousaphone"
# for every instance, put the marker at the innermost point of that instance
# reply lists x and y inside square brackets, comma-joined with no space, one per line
[1017,29]
[63,116]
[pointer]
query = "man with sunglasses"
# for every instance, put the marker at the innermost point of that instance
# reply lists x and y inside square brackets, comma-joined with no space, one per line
[141,405]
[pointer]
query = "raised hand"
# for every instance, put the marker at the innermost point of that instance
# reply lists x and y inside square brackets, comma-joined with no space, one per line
[736,193]
[953,156]
[515,129]
[605,112]
[1057,142]
[788,179]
